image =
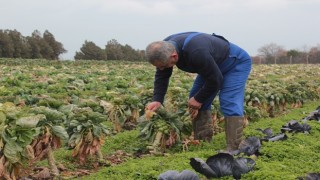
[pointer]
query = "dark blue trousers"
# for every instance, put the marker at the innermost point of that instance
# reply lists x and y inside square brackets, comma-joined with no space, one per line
[235,70]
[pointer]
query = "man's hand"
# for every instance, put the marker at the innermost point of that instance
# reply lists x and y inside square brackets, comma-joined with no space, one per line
[193,113]
[192,103]
[153,106]
[194,107]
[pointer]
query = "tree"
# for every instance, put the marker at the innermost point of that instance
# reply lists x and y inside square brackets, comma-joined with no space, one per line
[293,53]
[296,56]
[17,40]
[130,54]
[26,48]
[14,45]
[114,50]
[34,42]
[6,45]
[56,46]
[314,54]
[142,54]
[90,51]
[271,51]
[46,50]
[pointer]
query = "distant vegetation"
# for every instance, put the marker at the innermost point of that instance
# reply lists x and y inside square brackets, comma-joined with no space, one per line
[45,46]
[113,51]
[36,46]
[275,54]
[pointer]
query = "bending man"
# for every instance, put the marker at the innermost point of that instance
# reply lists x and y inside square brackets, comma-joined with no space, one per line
[222,67]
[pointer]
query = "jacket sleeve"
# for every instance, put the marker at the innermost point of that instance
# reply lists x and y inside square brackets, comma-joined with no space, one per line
[161,82]
[207,68]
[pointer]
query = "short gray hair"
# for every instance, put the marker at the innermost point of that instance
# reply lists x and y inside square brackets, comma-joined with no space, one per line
[159,51]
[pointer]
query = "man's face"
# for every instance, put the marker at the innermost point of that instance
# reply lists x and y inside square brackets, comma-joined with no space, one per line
[170,63]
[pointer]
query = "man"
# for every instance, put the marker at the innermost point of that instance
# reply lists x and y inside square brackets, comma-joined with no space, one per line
[221,67]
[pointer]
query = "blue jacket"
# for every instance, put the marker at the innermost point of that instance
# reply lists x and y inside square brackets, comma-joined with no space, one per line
[201,54]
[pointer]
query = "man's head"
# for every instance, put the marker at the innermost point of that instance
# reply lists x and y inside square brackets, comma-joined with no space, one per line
[161,54]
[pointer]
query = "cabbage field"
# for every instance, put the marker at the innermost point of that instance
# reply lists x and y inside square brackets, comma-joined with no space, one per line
[87,119]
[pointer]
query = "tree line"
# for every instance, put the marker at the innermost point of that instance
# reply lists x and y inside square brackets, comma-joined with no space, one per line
[45,46]
[37,46]
[113,51]
[275,54]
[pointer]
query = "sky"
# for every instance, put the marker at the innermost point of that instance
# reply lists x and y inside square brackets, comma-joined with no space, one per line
[251,24]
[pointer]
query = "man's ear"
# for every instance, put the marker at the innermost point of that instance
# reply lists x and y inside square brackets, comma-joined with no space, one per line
[175,55]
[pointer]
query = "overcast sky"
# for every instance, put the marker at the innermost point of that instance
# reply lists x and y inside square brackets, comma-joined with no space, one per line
[292,24]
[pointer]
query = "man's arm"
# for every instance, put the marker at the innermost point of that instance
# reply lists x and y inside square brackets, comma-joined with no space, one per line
[207,68]
[161,83]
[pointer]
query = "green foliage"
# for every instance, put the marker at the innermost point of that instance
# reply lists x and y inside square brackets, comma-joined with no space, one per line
[14,45]
[116,51]
[289,159]
[90,51]
[17,131]
[127,141]
[79,94]
[52,116]
[50,102]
